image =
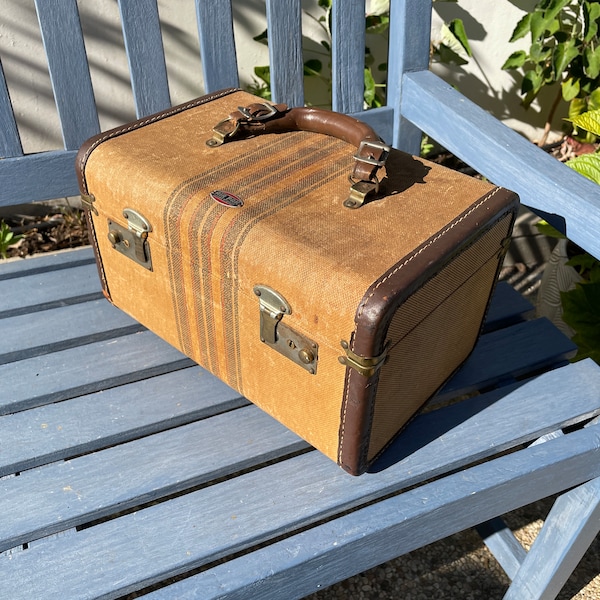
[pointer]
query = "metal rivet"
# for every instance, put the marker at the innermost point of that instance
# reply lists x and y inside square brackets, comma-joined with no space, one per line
[306,356]
[114,237]
[344,344]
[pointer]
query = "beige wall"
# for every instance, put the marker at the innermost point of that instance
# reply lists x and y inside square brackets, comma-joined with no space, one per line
[488,22]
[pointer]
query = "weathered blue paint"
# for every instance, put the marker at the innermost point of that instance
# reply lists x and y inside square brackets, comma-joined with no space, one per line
[145,55]
[152,468]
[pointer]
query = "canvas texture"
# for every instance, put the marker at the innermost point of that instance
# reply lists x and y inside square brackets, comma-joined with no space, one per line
[294,234]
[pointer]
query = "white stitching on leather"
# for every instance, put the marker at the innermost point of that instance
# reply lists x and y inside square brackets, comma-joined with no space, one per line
[138,124]
[363,306]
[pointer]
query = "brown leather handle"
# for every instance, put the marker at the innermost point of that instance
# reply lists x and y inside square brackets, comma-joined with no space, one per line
[258,118]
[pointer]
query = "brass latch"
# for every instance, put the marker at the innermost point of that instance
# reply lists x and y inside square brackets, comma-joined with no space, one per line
[366,366]
[273,332]
[132,240]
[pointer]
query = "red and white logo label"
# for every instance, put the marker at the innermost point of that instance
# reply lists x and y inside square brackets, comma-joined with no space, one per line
[226,199]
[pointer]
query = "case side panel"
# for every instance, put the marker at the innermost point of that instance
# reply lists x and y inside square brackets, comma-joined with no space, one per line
[382,301]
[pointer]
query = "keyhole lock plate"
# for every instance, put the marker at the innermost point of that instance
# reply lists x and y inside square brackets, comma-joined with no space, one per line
[279,335]
[132,241]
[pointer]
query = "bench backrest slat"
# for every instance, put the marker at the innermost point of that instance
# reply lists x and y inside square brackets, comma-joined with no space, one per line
[10,143]
[410,31]
[284,26]
[348,44]
[69,70]
[145,53]
[217,44]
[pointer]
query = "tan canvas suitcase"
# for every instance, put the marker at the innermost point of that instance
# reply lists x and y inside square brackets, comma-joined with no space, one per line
[334,282]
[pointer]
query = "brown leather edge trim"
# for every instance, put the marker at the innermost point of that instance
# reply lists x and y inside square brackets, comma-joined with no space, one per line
[492,289]
[91,144]
[94,243]
[381,301]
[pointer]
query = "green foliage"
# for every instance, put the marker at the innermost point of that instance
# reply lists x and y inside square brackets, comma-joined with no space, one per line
[587,165]
[580,312]
[581,306]
[453,47]
[564,50]
[454,44]
[7,239]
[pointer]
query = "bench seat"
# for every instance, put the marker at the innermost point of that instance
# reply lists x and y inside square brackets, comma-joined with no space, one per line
[124,466]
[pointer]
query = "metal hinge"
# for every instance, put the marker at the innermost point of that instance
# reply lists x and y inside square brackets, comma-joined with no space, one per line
[366,366]
[273,332]
[132,240]
[88,200]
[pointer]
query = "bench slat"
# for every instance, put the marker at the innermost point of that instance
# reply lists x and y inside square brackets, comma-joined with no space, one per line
[217,45]
[348,43]
[10,142]
[145,54]
[181,458]
[284,25]
[40,263]
[501,154]
[45,290]
[197,453]
[67,62]
[410,28]
[510,353]
[506,307]
[76,371]
[336,550]
[94,421]
[85,323]
[164,540]
[43,176]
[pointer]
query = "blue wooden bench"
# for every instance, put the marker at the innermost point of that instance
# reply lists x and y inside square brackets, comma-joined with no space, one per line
[126,468]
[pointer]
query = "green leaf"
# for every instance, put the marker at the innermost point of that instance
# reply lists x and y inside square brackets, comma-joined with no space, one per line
[377,24]
[554,7]
[263,73]
[457,28]
[592,62]
[532,82]
[576,107]
[515,60]
[537,25]
[448,56]
[587,165]
[562,56]
[539,53]
[583,263]
[546,229]
[580,312]
[594,100]
[369,87]
[313,67]
[451,49]
[522,29]
[590,121]
[591,13]
[570,89]
[263,37]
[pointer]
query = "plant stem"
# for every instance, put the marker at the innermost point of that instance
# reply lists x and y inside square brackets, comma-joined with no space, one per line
[548,125]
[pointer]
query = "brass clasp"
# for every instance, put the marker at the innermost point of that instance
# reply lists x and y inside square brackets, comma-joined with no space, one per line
[132,240]
[278,335]
[366,366]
